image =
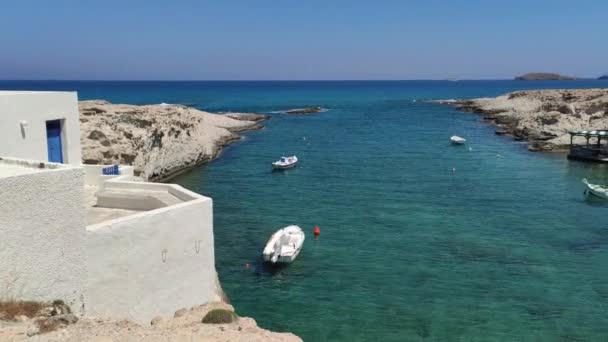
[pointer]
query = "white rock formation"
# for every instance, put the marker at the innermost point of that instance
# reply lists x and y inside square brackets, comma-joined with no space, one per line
[544,117]
[159,140]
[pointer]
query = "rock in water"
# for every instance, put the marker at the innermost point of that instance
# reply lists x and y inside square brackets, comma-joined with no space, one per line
[304,111]
[158,140]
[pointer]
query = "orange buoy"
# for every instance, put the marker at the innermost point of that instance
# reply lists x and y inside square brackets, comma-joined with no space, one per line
[317,231]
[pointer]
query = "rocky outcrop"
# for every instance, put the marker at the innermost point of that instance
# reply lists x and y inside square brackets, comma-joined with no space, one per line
[186,325]
[304,111]
[542,117]
[543,76]
[159,140]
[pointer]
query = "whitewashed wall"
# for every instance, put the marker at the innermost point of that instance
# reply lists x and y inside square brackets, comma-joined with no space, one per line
[94,174]
[36,108]
[152,263]
[42,236]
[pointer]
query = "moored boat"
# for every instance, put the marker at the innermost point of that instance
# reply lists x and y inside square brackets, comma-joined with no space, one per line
[285,163]
[595,189]
[457,140]
[284,245]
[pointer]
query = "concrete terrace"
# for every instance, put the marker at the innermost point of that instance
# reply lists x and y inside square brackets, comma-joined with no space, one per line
[104,205]
[97,214]
[13,167]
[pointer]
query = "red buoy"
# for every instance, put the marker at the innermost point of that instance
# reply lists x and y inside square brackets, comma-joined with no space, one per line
[317,231]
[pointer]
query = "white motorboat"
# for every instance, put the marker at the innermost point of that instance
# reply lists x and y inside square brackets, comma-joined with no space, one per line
[457,140]
[595,189]
[284,245]
[285,163]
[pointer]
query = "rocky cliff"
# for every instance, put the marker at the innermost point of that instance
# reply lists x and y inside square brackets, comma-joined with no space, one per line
[543,117]
[159,140]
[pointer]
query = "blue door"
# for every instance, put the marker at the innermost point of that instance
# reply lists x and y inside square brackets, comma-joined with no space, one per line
[53,140]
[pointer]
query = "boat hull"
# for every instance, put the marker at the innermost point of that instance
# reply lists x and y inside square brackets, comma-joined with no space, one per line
[596,190]
[284,245]
[458,140]
[283,167]
[282,259]
[285,163]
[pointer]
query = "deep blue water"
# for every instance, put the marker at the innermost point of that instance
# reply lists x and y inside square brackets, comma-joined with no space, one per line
[506,248]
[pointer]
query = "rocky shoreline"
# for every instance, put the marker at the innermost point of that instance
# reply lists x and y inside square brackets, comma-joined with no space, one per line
[161,141]
[543,118]
[185,325]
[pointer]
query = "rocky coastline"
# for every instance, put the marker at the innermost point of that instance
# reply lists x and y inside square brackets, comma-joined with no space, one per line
[160,141]
[199,323]
[543,118]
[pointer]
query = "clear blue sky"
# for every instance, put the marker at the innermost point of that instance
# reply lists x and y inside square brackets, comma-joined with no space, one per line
[300,39]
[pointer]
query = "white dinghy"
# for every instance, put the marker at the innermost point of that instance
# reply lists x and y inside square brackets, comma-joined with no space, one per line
[284,245]
[595,189]
[457,140]
[285,163]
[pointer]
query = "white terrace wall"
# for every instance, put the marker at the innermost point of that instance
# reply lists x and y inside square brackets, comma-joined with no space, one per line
[152,263]
[42,235]
[29,141]
[94,174]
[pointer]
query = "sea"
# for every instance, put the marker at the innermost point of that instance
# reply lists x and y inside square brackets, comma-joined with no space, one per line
[420,240]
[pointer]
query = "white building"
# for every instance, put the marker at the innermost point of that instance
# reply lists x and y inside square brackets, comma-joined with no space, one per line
[40,125]
[108,245]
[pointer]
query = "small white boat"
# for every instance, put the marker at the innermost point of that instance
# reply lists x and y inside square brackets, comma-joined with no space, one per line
[284,245]
[457,140]
[285,162]
[597,190]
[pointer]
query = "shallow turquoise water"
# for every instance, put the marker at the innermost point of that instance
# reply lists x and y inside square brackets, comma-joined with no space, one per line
[504,249]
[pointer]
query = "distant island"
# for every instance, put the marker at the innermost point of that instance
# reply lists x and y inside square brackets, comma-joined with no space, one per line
[603,77]
[543,76]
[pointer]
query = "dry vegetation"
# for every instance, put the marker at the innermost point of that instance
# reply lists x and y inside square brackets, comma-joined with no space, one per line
[44,316]
[12,309]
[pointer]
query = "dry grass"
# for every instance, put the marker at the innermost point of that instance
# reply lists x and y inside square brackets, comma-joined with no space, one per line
[11,309]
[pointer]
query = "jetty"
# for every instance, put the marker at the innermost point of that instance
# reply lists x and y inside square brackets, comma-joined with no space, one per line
[594,149]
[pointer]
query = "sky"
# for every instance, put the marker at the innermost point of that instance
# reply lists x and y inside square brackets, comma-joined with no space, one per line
[300,39]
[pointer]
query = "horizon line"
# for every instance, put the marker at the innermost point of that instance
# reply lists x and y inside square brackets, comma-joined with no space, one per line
[284,80]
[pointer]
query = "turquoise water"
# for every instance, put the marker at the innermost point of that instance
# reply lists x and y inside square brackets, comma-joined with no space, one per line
[506,248]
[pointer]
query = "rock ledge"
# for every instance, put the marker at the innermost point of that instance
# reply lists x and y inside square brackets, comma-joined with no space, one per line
[159,140]
[542,117]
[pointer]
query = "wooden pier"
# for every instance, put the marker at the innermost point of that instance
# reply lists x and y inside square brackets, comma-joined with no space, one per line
[594,148]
